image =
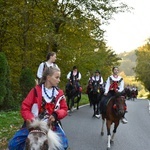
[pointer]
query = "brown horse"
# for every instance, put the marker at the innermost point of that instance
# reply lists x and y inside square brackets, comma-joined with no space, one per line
[115,110]
[41,137]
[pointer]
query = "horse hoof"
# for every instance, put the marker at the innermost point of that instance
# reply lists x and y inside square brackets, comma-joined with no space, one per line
[102,133]
[108,148]
[111,142]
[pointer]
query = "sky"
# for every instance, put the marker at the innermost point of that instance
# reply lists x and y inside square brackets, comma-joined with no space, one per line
[128,31]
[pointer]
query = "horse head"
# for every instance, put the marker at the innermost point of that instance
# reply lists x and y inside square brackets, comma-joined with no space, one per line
[119,105]
[95,87]
[41,137]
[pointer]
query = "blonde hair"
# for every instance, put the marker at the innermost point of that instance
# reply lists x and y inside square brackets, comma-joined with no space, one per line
[49,71]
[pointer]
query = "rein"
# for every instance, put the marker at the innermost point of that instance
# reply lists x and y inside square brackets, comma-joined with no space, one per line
[37,131]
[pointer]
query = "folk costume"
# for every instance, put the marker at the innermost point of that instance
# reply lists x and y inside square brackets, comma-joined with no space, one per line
[74,76]
[40,102]
[113,84]
[97,78]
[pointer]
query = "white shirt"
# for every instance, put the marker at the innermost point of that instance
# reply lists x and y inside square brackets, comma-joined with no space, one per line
[97,78]
[74,73]
[41,67]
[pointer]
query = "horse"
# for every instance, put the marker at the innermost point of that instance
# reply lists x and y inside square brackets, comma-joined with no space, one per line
[41,137]
[88,90]
[133,95]
[127,93]
[115,110]
[73,94]
[95,95]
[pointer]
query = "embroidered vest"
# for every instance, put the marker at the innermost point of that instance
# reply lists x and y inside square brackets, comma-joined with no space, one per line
[72,76]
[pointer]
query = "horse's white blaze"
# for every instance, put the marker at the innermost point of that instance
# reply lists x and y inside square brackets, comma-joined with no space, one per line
[33,141]
[54,140]
[108,141]
[36,141]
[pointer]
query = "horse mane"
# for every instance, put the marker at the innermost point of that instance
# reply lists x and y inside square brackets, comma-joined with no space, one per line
[37,123]
[56,144]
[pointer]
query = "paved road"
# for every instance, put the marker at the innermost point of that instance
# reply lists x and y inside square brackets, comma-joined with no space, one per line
[83,131]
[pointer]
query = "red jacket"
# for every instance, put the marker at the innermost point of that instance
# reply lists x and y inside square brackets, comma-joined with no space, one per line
[35,97]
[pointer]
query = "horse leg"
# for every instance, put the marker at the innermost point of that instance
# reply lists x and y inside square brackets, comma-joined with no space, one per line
[72,104]
[102,129]
[68,102]
[94,108]
[108,124]
[114,131]
[78,100]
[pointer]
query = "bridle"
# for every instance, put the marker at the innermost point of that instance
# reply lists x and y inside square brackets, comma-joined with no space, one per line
[37,131]
[115,107]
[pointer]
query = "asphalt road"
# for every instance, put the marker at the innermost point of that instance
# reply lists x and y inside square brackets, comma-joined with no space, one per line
[83,131]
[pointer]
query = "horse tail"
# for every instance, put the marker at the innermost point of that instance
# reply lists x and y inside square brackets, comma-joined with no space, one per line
[54,141]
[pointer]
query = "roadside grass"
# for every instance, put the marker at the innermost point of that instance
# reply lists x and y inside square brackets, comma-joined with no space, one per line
[11,121]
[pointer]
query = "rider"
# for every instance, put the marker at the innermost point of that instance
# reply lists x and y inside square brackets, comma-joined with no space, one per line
[74,75]
[44,101]
[50,62]
[97,77]
[114,83]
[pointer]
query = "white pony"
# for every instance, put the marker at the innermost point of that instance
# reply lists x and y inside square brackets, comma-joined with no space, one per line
[41,137]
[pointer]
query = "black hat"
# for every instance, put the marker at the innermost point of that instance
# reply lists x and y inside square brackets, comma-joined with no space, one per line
[97,71]
[74,67]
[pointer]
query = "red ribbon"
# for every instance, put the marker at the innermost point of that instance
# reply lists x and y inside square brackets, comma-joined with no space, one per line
[50,107]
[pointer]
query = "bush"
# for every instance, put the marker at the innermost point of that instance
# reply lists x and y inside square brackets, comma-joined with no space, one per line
[6,98]
[27,81]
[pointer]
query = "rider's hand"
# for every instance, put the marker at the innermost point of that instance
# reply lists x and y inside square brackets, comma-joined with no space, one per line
[51,118]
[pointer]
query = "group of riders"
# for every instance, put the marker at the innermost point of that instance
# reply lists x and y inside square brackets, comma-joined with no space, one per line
[114,84]
[131,92]
[54,107]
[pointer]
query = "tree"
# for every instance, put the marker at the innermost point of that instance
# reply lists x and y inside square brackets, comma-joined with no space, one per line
[6,98]
[29,29]
[142,68]
[27,81]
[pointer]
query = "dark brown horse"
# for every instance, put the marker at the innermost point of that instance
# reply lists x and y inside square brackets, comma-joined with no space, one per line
[73,94]
[115,110]
[95,94]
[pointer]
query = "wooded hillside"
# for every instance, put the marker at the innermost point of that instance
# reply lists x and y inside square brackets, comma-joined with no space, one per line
[128,62]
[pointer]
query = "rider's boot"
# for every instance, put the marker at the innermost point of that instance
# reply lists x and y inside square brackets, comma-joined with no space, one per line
[124,120]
